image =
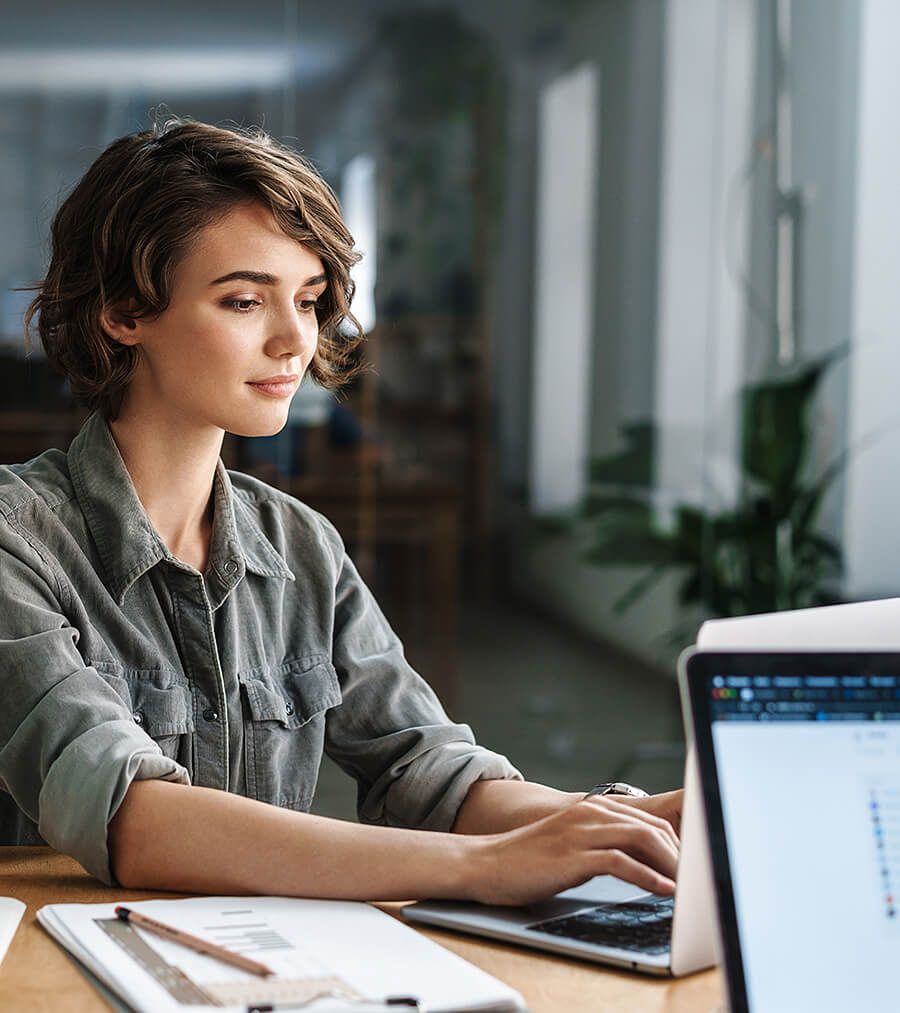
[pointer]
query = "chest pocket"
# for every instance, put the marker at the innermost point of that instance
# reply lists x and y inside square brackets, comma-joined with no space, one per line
[284,730]
[160,704]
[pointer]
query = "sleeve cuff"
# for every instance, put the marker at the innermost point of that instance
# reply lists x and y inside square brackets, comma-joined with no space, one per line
[425,792]
[86,785]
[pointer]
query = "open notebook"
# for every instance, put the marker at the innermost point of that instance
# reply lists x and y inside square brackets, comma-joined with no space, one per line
[336,955]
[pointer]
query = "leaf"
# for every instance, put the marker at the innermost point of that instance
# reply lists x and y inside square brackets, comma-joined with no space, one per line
[775,438]
[808,502]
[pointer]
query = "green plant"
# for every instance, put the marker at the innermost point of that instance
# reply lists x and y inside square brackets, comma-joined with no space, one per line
[765,553]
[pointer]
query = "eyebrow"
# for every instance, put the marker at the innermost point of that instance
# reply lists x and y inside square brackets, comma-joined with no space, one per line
[264,278]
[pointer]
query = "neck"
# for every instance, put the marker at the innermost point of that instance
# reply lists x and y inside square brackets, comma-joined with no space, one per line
[172,465]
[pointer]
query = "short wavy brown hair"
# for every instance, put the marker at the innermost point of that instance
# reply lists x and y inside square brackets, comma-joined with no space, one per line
[122,231]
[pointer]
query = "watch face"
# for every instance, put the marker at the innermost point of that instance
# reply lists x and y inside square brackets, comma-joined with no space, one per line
[618,788]
[621,788]
[628,789]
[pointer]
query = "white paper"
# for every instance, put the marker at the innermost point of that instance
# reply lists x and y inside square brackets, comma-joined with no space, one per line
[348,947]
[11,912]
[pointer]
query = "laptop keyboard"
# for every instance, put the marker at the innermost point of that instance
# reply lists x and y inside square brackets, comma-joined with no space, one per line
[645,926]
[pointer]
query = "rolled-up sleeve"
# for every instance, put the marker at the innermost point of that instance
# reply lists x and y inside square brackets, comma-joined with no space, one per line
[69,747]
[413,765]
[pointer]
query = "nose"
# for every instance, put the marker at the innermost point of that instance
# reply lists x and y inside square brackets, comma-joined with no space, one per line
[293,334]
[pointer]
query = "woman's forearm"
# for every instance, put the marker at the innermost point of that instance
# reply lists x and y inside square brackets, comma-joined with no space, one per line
[175,837]
[493,807]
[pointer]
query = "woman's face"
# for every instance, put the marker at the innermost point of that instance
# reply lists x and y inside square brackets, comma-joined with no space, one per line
[240,330]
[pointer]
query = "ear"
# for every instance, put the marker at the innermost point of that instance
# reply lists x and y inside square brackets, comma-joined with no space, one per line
[120,323]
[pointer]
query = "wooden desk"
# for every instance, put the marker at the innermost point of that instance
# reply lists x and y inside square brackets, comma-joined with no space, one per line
[38,976]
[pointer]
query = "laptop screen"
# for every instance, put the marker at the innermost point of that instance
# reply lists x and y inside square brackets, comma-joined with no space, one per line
[806,771]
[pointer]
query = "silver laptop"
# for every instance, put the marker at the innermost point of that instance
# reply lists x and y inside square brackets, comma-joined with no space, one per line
[864,625]
[607,920]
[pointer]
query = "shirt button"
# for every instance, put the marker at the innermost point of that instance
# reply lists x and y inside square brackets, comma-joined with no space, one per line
[230,566]
[138,717]
[289,707]
[210,714]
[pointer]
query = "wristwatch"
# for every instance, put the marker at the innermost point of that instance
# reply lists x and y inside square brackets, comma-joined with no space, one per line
[617,788]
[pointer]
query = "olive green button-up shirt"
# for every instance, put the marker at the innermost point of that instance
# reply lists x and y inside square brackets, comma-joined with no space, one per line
[119,662]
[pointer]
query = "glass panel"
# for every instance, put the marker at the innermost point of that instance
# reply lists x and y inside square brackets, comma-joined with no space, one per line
[682,302]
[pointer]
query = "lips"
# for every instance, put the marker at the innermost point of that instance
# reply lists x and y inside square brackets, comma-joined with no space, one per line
[280,385]
[278,378]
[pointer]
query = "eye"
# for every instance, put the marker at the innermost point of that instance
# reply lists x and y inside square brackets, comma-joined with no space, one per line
[241,305]
[307,305]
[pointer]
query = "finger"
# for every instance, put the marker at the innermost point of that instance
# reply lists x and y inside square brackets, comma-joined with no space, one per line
[649,838]
[644,843]
[612,862]
[620,808]
[633,806]
[649,846]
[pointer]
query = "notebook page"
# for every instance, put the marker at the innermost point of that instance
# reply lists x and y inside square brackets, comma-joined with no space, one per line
[339,950]
[11,912]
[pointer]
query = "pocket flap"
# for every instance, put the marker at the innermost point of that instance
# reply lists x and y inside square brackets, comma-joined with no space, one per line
[166,710]
[159,703]
[293,693]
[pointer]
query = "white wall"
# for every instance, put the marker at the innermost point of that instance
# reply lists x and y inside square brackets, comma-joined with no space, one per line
[563,289]
[872,503]
[359,200]
[708,88]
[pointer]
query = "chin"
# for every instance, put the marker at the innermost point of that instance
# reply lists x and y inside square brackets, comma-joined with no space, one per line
[257,426]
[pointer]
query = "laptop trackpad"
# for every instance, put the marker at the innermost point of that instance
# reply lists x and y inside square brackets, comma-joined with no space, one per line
[604,890]
[600,890]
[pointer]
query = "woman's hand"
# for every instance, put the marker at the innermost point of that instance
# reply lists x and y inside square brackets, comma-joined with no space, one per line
[594,836]
[668,805]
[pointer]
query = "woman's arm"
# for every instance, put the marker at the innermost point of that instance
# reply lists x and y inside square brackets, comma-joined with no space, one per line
[180,837]
[177,837]
[490,807]
[494,806]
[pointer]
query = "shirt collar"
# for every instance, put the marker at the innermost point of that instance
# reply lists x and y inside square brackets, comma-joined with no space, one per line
[128,543]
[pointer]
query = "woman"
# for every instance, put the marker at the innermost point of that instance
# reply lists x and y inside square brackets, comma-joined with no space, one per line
[179,644]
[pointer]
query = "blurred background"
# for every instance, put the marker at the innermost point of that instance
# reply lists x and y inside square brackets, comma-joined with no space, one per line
[629,284]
